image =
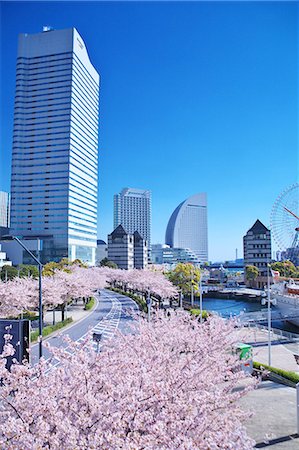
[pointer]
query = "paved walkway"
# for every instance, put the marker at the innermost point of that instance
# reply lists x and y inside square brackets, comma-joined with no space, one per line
[76,311]
[282,354]
[273,424]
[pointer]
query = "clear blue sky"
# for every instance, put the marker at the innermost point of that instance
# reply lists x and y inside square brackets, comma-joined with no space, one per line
[194,97]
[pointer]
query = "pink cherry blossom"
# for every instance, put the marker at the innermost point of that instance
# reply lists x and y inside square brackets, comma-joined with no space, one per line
[171,385]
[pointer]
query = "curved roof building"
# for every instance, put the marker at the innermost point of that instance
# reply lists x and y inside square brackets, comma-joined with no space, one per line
[188,227]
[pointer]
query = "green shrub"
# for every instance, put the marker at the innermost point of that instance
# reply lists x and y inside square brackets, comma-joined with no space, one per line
[30,315]
[140,301]
[196,312]
[289,375]
[50,329]
[90,304]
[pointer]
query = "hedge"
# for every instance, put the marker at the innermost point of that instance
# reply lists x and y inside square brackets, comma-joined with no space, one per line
[90,304]
[50,329]
[140,301]
[289,375]
[196,312]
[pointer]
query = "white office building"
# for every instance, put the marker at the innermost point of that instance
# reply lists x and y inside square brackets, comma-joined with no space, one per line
[132,210]
[55,145]
[188,226]
[4,209]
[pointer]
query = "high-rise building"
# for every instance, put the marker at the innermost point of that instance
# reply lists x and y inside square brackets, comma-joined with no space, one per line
[257,251]
[132,209]
[140,251]
[4,209]
[188,226]
[121,248]
[102,251]
[55,145]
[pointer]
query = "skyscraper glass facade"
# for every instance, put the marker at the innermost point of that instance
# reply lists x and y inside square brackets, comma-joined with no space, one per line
[188,226]
[133,210]
[55,145]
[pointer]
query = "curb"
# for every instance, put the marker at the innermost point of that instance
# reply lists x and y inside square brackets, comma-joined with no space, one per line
[55,333]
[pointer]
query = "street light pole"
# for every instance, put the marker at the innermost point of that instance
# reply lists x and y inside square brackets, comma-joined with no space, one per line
[192,288]
[200,295]
[149,304]
[269,317]
[40,300]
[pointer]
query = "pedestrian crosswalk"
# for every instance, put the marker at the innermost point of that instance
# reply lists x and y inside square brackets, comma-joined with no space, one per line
[109,324]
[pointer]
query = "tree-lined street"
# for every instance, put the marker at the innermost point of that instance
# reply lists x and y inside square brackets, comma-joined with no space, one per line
[111,313]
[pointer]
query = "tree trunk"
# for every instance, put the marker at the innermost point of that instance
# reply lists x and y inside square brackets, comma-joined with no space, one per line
[62,313]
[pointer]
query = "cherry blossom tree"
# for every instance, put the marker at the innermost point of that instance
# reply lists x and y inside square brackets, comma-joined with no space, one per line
[78,282]
[171,385]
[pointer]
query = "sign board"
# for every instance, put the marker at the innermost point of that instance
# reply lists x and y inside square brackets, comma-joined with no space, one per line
[97,337]
[20,331]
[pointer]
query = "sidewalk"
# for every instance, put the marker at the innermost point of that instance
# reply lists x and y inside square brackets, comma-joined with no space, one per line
[76,311]
[282,354]
[273,424]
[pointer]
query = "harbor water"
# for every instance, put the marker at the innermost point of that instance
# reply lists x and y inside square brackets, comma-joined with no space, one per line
[230,308]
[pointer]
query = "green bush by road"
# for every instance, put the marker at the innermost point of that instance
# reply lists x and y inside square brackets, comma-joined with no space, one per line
[196,312]
[90,304]
[289,375]
[140,301]
[50,329]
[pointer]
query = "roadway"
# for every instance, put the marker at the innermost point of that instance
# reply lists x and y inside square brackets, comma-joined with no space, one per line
[112,312]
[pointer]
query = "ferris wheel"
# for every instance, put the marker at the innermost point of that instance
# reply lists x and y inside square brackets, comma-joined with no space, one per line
[285,222]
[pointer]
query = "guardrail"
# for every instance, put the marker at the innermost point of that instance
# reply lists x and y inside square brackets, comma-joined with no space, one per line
[276,332]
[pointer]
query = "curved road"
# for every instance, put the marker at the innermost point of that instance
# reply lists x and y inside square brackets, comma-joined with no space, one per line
[111,313]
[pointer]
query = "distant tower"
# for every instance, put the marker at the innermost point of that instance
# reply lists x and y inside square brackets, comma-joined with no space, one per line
[54,182]
[132,210]
[257,250]
[236,254]
[188,226]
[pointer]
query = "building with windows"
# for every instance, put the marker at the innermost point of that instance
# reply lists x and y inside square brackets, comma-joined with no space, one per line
[4,209]
[4,213]
[3,259]
[132,209]
[163,254]
[102,251]
[188,227]
[257,251]
[54,180]
[121,248]
[140,251]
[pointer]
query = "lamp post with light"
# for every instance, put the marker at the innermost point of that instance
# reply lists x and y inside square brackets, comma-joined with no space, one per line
[40,269]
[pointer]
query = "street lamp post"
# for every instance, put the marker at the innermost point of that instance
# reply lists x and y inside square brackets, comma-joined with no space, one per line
[269,317]
[200,295]
[192,288]
[40,302]
[149,304]
[269,301]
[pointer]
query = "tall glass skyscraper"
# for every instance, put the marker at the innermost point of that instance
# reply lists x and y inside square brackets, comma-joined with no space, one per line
[55,145]
[188,226]
[133,210]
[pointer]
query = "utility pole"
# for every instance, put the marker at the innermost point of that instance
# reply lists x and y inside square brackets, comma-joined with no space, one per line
[149,304]
[192,288]
[269,316]
[200,294]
